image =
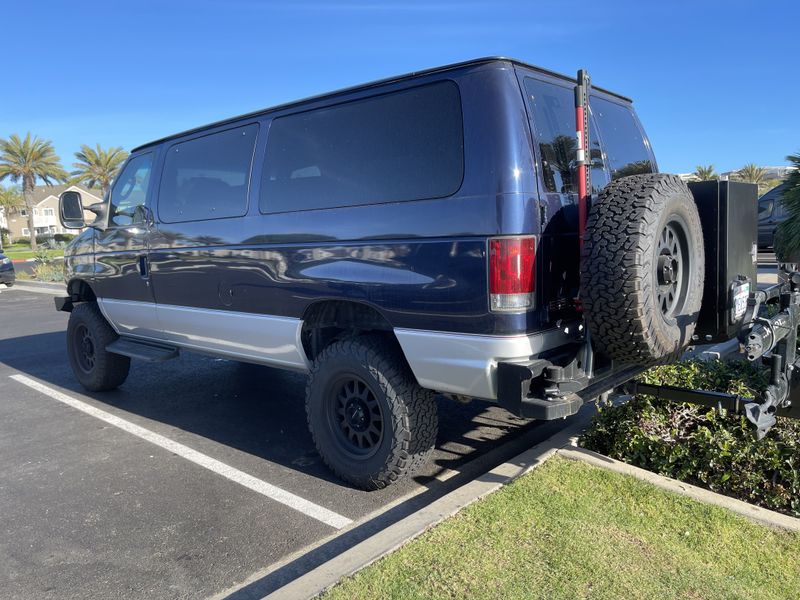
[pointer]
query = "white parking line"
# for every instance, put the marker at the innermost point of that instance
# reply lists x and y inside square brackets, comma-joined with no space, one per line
[262,487]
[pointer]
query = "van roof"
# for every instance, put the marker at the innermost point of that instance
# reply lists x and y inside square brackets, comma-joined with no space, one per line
[365,86]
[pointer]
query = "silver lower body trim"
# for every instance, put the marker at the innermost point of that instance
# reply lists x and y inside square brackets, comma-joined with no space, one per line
[467,364]
[263,339]
[131,317]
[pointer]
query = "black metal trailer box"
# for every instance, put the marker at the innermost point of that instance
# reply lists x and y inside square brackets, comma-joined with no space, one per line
[729,215]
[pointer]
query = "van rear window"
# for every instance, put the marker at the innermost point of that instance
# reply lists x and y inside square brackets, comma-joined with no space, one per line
[623,141]
[406,145]
[553,108]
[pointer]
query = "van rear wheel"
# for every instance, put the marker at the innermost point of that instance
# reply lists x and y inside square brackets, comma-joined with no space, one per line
[643,268]
[370,420]
[88,334]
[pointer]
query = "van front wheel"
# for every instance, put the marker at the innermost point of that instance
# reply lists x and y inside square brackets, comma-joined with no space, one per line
[370,420]
[88,334]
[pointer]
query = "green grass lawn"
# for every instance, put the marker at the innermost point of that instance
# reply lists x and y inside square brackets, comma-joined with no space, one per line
[24,252]
[569,530]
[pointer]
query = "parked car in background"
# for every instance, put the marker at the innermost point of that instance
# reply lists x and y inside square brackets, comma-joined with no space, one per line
[771,213]
[7,274]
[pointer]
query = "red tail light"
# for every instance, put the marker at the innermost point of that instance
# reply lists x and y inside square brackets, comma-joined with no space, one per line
[512,273]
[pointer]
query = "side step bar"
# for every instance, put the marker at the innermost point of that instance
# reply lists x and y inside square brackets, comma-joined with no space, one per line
[142,350]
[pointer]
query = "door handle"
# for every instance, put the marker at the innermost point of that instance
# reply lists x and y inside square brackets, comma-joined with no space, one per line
[144,268]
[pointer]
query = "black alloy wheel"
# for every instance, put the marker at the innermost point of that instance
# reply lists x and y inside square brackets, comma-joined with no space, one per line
[355,416]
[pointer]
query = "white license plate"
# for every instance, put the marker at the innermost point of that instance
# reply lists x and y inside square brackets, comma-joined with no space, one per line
[740,296]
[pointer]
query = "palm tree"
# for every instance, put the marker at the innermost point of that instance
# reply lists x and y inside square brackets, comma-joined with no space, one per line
[28,160]
[705,173]
[751,173]
[9,198]
[97,167]
[787,240]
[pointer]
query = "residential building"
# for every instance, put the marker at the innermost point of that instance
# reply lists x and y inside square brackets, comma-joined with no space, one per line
[45,211]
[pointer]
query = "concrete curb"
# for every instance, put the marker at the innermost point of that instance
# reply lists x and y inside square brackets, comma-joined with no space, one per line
[24,285]
[393,537]
[760,515]
[53,284]
[20,261]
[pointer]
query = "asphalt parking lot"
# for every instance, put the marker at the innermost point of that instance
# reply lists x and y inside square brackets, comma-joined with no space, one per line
[197,478]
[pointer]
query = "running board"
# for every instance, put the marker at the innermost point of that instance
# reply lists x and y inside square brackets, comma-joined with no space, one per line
[142,350]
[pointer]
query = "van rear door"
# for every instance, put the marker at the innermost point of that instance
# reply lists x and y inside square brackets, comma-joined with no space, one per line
[551,111]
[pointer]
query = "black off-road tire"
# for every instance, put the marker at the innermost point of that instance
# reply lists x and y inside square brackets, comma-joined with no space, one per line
[105,370]
[407,411]
[627,242]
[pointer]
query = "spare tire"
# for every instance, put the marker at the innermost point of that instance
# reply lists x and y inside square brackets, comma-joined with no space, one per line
[642,269]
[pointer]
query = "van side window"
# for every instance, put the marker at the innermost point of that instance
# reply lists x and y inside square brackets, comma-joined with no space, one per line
[207,177]
[623,141]
[406,145]
[130,190]
[553,108]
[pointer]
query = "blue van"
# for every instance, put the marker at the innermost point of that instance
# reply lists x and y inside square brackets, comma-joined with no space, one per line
[397,240]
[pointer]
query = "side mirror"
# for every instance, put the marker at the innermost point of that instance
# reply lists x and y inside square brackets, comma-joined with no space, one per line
[143,215]
[70,210]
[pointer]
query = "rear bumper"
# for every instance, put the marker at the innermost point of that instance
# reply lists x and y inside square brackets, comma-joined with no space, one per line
[8,276]
[467,364]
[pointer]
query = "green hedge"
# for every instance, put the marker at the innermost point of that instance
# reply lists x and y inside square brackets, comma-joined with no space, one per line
[701,446]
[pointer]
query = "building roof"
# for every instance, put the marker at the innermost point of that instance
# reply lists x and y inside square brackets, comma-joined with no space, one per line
[43,192]
[364,86]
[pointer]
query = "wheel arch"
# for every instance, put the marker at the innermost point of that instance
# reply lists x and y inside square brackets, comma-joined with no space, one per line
[80,290]
[326,321]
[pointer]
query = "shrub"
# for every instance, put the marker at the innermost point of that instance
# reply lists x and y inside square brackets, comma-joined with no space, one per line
[42,256]
[44,238]
[700,445]
[64,237]
[50,271]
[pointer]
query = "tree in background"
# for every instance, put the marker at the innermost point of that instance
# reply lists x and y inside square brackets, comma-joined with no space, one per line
[27,160]
[751,173]
[97,167]
[9,198]
[705,173]
[787,239]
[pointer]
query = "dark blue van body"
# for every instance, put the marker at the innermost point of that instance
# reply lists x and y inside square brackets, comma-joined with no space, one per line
[257,264]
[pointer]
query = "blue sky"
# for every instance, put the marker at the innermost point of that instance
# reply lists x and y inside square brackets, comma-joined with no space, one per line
[713,82]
